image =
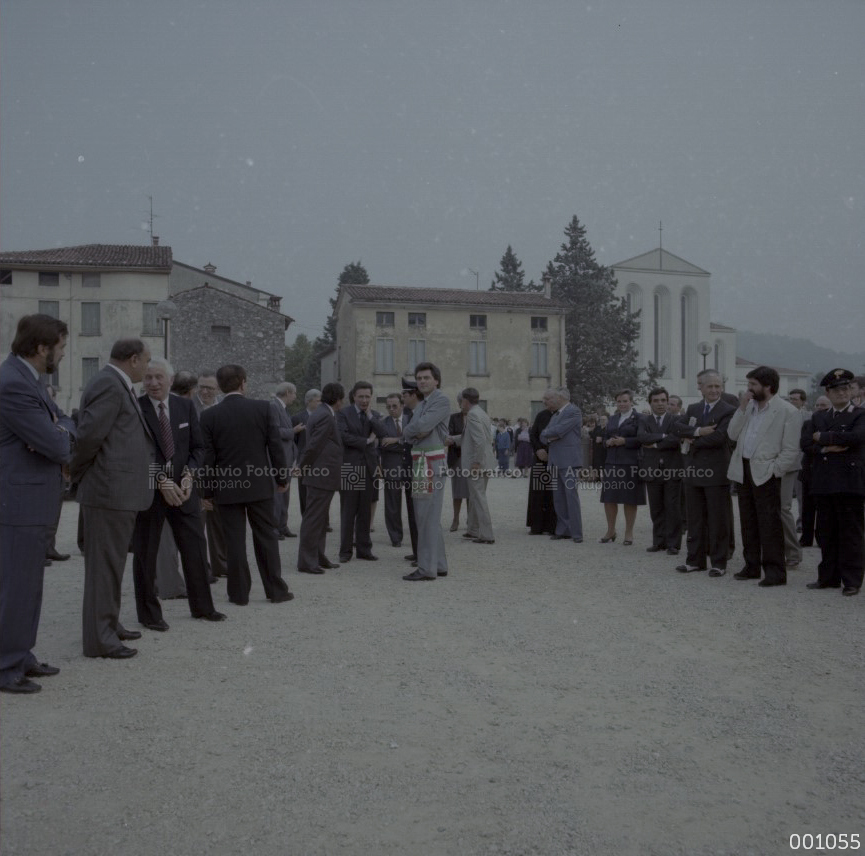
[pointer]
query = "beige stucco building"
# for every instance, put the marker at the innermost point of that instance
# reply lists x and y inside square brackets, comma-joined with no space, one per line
[510,346]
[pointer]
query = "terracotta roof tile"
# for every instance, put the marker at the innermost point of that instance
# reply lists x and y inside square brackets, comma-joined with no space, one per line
[94,256]
[465,297]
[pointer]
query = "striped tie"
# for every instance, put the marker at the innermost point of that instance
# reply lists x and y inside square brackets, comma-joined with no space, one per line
[165,433]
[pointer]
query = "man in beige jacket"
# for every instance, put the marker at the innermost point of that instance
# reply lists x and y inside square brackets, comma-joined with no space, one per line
[765,429]
[478,460]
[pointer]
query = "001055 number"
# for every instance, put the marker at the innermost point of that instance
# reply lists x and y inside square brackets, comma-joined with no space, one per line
[825,841]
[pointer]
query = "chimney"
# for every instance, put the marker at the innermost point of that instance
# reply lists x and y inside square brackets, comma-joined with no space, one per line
[210,268]
[154,239]
[547,280]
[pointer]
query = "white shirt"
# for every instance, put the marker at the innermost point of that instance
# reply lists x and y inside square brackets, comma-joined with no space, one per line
[156,404]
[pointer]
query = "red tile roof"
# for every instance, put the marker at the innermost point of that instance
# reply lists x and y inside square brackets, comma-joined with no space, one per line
[93,256]
[464,297]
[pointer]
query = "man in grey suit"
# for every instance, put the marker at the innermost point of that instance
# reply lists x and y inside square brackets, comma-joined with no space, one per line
[478,459]
[35,440]
[319,471]
[113,467]
[311,400]
[283,396]
[563,437]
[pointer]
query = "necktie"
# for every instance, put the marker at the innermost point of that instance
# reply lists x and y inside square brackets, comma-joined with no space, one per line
[364,423]
[706,410]
[660,420]
[165,433]
[398,423]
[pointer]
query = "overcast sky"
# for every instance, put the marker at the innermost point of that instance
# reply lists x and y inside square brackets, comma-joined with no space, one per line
[281,140]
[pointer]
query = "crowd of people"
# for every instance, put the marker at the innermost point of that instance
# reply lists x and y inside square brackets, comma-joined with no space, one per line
[200,455]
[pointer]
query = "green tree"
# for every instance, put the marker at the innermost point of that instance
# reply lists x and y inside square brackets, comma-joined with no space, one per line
[599,331]
[510,276]
[354,273]
[298,361]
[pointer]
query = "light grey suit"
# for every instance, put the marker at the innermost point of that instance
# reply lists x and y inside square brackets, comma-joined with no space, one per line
[563,437]
[478,460]
[286,434]
[112,465]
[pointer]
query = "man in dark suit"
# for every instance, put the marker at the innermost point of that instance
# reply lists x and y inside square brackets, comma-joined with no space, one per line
[319,471]
[112,465]
[357,487]
[395,456]
[35,441]
[243,457]
[706,457]
[179,452]
[283,396]
[660,469]
[834,442]
[299,422]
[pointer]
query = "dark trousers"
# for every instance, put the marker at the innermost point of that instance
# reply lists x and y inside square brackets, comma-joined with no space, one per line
[22,568]
[280,510]
[187,527]
[265,545]
[708,524]
[808,513]
[396,481]
[215,542]
[313,529]
[762,530]
[665,498]
[355,518]
[841,536]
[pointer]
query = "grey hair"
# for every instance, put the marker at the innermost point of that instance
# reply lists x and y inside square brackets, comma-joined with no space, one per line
[560,391]
[284,387]
[311,394]
[158,362]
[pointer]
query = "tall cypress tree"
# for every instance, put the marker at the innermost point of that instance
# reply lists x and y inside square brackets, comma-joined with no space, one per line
[599,331]
[510,276]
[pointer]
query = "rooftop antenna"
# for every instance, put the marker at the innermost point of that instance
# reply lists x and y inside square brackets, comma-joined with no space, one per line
[151,218]
[660,245]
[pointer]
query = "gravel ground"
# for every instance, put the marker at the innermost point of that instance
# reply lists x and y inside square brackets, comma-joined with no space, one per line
[546,698]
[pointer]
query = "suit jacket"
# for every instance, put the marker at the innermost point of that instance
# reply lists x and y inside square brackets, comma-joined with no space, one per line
[563,437]
[188,442]
[777,449]
[428,427]
[243,452]
[115,450]
[321,463]
[629,454]
[398,456]
[32,448]
[476,441]
[661,459]
[836,472]
[286,433]
[357,452]
[301,418]
[706,463]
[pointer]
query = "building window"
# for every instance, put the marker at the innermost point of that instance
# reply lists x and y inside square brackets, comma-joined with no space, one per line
[49,307]
[539,358]
[384,319]
[90,319]
[417,319]
[539,323]
[91,280]
[535,408]
[49,278]
[384,355]
[54,379]
[478,357]
[151,325]
[416,352]
[477,322]
[220,331]
[5,277]
[89,369]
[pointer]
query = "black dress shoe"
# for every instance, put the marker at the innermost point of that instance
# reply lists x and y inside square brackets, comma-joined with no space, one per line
[417,577]
[121,653]
[367,557]
[128,635]
[396,543]
[819,585]
[311,570]
[410,558]
[57,557]
[41,670]
[327,564]
[717,572]
[469,535]
[442,574]
[47,562]
[559,537]
[849,591]
[803,542]
[770,583]
[289,534]
[22,685]
[343,558]
[239,602]
[212,616]
[283,598]
[672,551]
[484,541]
[161,625]
[577,540]
[654,549]
[744,575]
[688,569]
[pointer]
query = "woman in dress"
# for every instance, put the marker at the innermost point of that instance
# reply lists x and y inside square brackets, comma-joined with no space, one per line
[622,485]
